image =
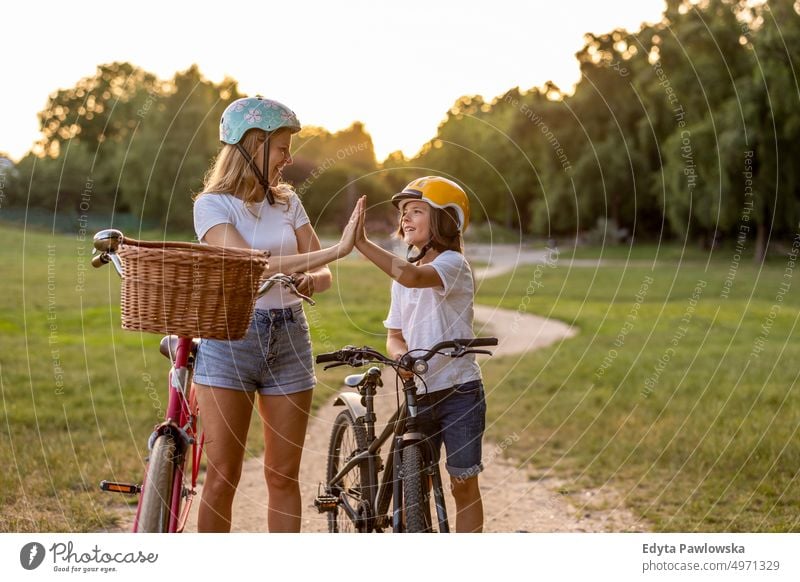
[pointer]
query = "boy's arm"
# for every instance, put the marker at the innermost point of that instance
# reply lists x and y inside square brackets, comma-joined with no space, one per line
[402,271]
[396,347]
[405,273]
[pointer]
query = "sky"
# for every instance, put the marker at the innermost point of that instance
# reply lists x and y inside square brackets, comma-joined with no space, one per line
[396,66]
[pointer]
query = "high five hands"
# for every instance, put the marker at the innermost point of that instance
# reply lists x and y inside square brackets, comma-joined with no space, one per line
[354,230]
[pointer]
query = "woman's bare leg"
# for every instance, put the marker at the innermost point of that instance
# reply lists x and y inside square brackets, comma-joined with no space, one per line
[285,420]
[225,416]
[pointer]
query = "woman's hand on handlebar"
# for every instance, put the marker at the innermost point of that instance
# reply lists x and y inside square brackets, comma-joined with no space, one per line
[304,283]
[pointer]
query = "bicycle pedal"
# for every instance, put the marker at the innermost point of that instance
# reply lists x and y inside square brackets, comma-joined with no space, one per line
[127,488]
[325,502]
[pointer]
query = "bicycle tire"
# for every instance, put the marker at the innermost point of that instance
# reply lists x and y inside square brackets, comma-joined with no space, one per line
[157,492]
[347,436]
[416,505]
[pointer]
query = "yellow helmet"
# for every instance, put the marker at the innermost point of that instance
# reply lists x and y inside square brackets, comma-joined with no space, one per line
[439,193]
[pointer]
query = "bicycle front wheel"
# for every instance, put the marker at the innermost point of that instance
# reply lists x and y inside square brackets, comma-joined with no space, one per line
[347,439]
[416,506]
[157,493]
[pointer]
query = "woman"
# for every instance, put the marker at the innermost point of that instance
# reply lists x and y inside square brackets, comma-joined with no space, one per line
[244,204]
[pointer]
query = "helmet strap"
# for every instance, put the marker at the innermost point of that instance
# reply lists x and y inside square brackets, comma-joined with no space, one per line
[262,179]
[422,251]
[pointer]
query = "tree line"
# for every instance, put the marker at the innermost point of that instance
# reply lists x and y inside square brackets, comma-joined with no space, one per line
[686,128]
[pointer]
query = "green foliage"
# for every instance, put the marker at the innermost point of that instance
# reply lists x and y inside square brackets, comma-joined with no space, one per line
[656,138]
[125,142]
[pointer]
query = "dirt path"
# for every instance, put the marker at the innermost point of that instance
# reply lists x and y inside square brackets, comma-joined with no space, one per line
[512,501]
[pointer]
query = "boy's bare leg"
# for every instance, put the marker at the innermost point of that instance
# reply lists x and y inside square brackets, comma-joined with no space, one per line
[469,507]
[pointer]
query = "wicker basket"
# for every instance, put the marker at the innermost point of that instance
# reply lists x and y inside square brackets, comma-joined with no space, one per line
[189,289]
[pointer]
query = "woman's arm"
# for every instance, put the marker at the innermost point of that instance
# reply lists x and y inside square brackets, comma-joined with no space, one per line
[405,273]
[319,279]
[226,235]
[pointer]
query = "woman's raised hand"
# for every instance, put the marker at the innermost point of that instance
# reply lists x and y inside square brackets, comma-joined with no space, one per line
[351,230]
[361,232]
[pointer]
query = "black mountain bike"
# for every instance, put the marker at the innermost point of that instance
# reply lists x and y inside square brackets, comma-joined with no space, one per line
[352,494]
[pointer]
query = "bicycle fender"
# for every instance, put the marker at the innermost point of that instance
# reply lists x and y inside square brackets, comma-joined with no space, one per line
[352,400]
[182,440]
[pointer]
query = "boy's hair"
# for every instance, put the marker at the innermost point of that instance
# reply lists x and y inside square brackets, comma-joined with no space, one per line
[231,174]
[445,234]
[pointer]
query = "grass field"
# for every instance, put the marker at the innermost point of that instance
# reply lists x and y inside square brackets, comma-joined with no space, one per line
[80,396]
[679,392]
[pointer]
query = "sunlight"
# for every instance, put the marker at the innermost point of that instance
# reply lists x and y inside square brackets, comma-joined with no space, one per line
[340,65]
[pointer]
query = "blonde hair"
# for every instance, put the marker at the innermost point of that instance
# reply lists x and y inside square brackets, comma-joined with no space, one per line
[231,174]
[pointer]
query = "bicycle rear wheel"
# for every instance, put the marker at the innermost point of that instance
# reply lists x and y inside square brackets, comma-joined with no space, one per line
[347,438]
[157,493]
[416,499]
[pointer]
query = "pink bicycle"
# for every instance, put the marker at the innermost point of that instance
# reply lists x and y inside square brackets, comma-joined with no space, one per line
[175,447]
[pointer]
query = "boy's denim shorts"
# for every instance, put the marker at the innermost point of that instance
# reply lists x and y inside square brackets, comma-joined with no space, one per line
[274,358]
[457,418]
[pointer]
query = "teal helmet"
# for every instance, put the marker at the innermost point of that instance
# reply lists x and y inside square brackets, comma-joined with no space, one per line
[255,113]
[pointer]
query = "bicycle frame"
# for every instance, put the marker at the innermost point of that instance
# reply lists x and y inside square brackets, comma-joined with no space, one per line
[402,427]
[181,423]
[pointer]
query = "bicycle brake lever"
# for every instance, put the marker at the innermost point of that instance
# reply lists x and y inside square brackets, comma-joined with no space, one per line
[305,298]
[336,365]
[487,352]
[100,259]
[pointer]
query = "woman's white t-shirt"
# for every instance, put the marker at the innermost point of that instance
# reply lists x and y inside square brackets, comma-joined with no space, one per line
[434,314]
[263,227]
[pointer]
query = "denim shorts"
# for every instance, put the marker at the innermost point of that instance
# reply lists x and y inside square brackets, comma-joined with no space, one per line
[274,358]
[457,418]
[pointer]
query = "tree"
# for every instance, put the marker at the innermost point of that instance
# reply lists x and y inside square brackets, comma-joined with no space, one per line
[176,140]
[101,107]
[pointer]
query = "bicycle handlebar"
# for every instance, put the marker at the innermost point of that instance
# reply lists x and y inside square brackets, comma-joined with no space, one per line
[325,358]
[285,280]
[356,357]
[476,342]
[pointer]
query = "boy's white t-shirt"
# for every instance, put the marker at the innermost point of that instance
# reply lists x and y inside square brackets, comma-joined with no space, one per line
[264,227]
[434,314]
